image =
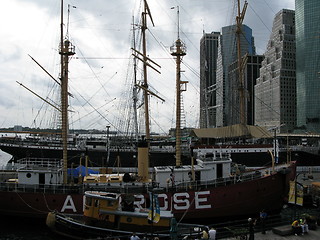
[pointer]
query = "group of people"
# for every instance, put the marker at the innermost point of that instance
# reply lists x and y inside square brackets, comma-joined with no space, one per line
[134,236]
[251,224]
[300,226]
[209,234]
[206,235]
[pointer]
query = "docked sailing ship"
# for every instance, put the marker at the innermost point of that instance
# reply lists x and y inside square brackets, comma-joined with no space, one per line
[102,151]
[252,145]
[207,188]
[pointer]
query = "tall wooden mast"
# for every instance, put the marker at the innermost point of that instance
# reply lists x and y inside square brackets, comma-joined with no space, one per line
[66,50]
[239,20]
[178,50]
[145,73]
[135,92]
[143,149]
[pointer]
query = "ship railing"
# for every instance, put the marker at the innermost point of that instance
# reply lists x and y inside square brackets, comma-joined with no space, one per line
[167,149]
[36,163]
[308,169]
[46,188]
[235,179]
[121,187]
[122,149]
[131,186]
[302,147]
[43,145]
[75,188]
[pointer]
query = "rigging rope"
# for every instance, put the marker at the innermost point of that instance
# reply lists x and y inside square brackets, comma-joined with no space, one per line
[35,209]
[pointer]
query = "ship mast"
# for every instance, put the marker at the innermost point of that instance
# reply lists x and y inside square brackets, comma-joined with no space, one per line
[145,73]
[178,50]
[241,64]
[66,50]
[135,93]
[143,150]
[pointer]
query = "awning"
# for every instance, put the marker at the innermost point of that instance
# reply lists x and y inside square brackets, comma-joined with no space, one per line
[234,131]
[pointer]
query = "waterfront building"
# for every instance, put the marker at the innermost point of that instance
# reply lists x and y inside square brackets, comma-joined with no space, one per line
[275,103]
[308,64]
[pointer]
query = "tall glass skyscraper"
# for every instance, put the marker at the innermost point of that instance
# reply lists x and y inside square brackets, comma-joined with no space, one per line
[208,69]
[227,55]
[308,64]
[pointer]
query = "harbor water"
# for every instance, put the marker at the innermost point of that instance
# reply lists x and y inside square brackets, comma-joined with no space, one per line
[25,229]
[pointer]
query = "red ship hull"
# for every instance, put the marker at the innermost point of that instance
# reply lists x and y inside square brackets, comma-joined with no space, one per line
[224,200]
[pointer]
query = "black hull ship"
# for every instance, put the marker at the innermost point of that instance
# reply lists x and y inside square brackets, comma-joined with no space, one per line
[248,154]
[254,146]
[122,157]
[122,154]
[254,155]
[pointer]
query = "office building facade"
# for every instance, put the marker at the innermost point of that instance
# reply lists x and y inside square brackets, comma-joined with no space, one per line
[275,100]
[208,69]
[227,55]
[308,65]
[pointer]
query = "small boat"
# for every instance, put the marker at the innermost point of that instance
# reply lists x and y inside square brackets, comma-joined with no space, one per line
[107,215]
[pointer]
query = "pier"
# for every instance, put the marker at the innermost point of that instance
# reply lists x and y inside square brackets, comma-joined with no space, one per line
[312,235]
[277,226]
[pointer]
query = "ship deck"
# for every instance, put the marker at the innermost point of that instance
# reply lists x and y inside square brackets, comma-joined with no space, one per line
[130,187]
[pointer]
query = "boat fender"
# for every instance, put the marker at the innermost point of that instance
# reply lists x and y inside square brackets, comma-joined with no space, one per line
[51,219]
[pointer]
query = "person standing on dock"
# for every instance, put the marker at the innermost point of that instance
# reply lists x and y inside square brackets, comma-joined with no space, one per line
[134,236]
[263,218]
[212,234]
[251,225]
[205,234]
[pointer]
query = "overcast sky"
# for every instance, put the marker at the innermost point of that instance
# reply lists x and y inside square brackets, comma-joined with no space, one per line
[101,72]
